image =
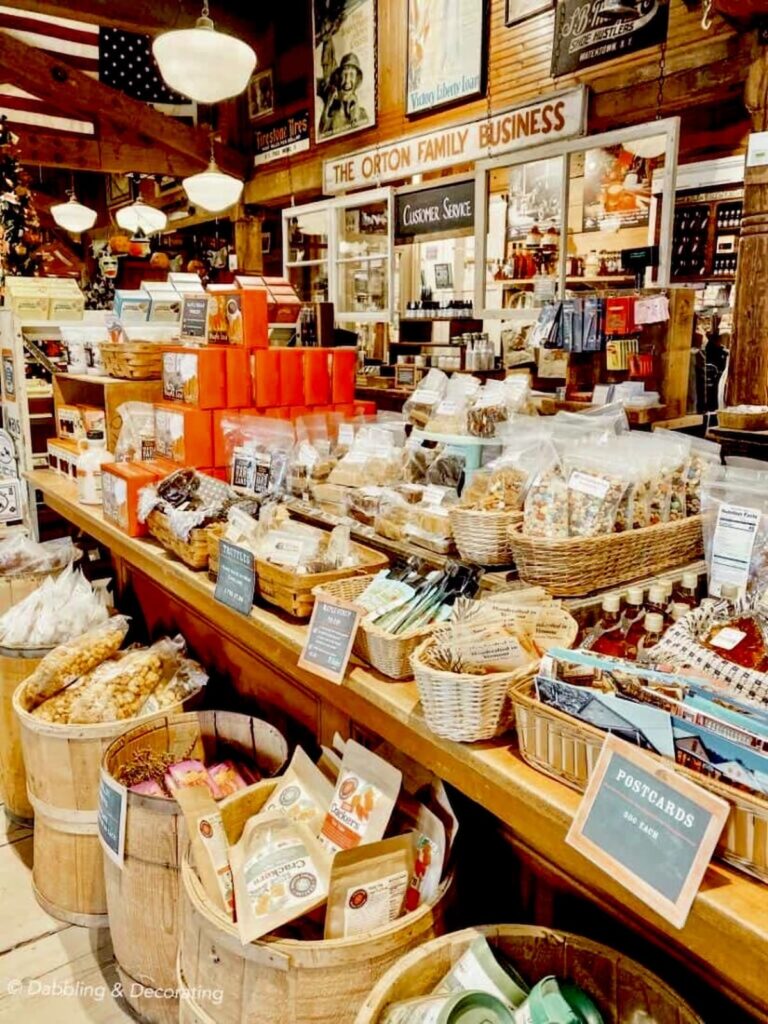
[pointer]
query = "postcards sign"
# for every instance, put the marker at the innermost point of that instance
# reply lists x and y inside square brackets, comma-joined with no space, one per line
[549,119]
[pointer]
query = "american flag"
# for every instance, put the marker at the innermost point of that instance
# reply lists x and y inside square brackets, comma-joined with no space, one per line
[121,59]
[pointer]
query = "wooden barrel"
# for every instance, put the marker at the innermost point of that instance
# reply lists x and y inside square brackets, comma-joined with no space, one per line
[281,981]
[15,665]
[622,989]
[63,765]
[143,897]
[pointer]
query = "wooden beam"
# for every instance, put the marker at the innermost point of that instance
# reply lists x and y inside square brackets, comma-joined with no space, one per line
[121,120]
[148,16]
[88,154]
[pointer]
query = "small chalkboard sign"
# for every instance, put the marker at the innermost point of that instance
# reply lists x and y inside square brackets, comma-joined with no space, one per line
[649,827]
[112,803]
[194,318]
[237,577]
[332,630]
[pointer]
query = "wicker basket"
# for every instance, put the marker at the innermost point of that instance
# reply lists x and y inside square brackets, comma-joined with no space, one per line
[293,592]
[484,537]
[460,706]
[388,654]
[193,552]
[622,989]
[568,749]
[730,420]
[575,566]
[213,536]
[133,360]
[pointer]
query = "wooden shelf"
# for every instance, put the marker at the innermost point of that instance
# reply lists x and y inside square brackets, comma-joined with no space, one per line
[725,938]
[428,344]
[617,279]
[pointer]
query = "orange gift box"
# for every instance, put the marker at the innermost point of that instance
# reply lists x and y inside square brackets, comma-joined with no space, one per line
[266,376]
[238,363]
[317,377]
[343,375]
[184,434]
[291,376]
[120,486]
[237,316]
[283,304]
[195,376]
[159,466]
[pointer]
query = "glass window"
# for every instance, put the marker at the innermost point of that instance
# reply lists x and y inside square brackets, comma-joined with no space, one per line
[363,258]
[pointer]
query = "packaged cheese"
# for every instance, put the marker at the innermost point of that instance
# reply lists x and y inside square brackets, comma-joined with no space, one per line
[184,434]
[195,376]
[120,486]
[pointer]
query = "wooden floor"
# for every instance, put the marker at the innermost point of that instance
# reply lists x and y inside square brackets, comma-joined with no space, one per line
[49,970]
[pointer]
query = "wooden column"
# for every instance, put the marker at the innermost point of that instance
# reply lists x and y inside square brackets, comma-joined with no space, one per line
[748,371]
[248,242]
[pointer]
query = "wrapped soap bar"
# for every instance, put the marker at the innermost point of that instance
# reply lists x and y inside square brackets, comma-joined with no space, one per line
[226,779]
[148,788]
[189,773]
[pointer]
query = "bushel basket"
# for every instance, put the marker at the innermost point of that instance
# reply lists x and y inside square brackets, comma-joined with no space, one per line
[568,749]
[575,566]
[484,537]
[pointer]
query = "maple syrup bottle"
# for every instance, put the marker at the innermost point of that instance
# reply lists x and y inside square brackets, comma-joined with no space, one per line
[679,609]
[634,615]
[653,630]
[688,594]
[657,601]
[609,639]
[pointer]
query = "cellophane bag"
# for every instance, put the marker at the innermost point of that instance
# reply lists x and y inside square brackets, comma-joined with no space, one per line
[597,481]
[136,440]
[705,462]
[19,555]
[735,525]
[61,608]
[422,403]
[545,513]
[257,451]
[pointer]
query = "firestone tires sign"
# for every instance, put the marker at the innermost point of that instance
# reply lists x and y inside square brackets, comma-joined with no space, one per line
[549,119]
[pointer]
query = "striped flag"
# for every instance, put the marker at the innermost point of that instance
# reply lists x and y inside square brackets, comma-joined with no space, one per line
[121,59]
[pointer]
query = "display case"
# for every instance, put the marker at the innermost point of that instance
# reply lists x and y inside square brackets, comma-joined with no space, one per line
[306,233]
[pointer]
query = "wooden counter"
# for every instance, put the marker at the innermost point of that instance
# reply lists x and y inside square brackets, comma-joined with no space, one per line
[726,937]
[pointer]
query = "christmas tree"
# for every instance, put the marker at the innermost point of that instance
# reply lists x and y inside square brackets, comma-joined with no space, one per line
[19,224]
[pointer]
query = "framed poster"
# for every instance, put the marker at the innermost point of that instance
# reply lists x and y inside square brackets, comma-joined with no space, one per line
[520,10]
[443,275]
[118,190]
[535,194]
[344,33]
[446,53]
[261,95]
[590,32]
[617,189]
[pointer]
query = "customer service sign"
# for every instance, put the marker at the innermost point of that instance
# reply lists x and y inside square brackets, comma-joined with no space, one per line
[548,119]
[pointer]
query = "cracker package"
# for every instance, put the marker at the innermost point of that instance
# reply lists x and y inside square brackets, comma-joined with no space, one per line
[368,887]
[280,872]
[365,795]
[210,850]
[303,793]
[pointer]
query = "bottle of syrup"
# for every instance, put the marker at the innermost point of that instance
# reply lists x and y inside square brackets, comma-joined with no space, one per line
[657,601]
[688,593]
[609,632]
[653,628]
[634,616]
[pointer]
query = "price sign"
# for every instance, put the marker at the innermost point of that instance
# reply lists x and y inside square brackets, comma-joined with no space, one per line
[112,803]
[237,577]
[649,827]
[332,630]
[194,318]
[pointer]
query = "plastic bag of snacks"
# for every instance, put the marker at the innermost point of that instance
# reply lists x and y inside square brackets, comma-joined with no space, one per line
[417,458]
[393,515]
[488,409]
[420,406]
[502,485]
[545,513]
[119,687]
[188,679]
[449,415]
[19,555]
[447,470]
[705,462]
[373,459]
[430,526]
[61,608]
[73,659]
[597,482]
[736,533]
[136,439]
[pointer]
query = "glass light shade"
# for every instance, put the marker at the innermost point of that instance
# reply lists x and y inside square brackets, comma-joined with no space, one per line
[212,190]
[141,216]
[206,65]
[647,148]
[73,216]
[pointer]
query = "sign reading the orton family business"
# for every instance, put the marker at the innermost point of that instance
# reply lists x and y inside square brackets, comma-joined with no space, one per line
[433,210]
[549,119]
[650,828]
[589,32]
[331,634]
[281,138]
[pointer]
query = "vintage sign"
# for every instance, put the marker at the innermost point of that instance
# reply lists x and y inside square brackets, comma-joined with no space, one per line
[434,210]
[344,33]
[281,138]
[446,53]
[331,634]
[649,827]
[590,32]
[560,116]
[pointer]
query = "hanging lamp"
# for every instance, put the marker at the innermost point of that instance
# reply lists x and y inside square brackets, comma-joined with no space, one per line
[647,149]
[213,190]
[206,65]
[140,215]
[73,216]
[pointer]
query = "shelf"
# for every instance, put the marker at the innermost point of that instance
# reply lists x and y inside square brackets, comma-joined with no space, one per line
[362,259]
[610,279]
[307,263]
[439,319]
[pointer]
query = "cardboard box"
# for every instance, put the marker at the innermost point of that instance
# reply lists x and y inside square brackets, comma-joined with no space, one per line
[69,423]
[283,304]
[184,434]
[132,305]
[160,467]
[94,418]
[63,456]
[343,374]
[195,376]
[291,376]
[317,376]
[266,376]
[120,486]
[186,284]
[165,301]
[238,377]
[64,305]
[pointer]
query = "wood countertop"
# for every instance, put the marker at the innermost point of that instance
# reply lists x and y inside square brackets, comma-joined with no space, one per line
[726,936]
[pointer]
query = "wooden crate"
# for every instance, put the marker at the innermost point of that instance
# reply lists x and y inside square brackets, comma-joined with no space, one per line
[105,393]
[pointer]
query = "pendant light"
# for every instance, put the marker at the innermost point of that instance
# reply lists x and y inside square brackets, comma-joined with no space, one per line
[139,215]
[649,148]
[206,65]
[213,190]
[72,215]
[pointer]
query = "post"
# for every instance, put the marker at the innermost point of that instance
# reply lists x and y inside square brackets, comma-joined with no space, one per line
[748,370]
[248,241]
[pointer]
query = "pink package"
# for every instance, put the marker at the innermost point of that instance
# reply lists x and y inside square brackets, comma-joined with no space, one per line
[226,778]
[189,773]
[148,788]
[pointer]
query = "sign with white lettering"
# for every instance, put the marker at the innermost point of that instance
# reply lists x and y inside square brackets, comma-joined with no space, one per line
[587,34]
[560,116]
[434,210]
[649,827]
[281,138]
[330,637]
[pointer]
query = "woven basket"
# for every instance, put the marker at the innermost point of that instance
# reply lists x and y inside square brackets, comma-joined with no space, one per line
[293,592]
[484,537]
[133,360]
[193,552]
[575,566]
[464,707]
[568,749]
[730,420]
[388,654]
[213,536]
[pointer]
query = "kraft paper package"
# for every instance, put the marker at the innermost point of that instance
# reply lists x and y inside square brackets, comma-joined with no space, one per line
[303,793]
[368,887]
[365,796]
[208,840]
